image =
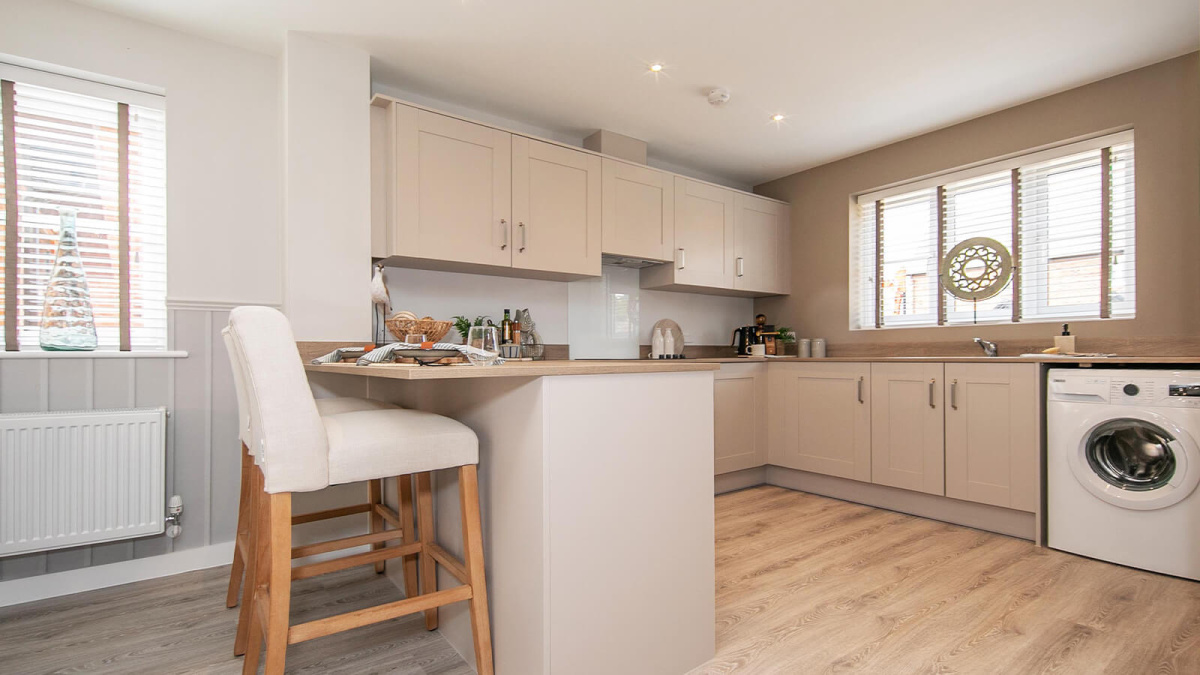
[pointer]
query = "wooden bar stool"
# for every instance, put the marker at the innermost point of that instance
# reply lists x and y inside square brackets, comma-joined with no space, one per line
[298,450]
[377,511]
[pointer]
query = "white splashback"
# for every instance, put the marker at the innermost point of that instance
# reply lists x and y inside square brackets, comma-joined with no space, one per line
[604,315]
[705,319]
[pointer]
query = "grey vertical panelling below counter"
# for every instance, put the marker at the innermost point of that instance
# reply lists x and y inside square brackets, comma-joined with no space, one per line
[202,448]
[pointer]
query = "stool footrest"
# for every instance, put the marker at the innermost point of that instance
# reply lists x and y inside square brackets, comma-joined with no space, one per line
[453,565]
[346,542]
[387,513]
[330,513]
[346,562]
[365,617]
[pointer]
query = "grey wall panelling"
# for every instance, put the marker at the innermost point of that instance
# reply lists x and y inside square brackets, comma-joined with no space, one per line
[203,464]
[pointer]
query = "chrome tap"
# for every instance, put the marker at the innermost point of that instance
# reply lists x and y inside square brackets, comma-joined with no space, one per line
[989,347]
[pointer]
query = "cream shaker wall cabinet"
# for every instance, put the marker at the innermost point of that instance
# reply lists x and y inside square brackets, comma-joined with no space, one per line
[639,211]
[740,416]
[907,438]
[993,437]
[762,245]
[556,208]
[453,189]
[819,418]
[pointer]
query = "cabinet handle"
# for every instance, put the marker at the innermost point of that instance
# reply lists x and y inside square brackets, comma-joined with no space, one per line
[682,258]
[504,231]
[524,237]
[860,388]
[932,383]
[741,266]
[954,394]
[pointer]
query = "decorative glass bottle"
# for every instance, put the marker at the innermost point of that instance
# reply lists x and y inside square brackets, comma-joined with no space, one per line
[67,321]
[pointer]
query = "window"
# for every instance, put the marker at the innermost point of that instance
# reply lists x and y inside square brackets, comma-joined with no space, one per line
[1066,215]
[76,144]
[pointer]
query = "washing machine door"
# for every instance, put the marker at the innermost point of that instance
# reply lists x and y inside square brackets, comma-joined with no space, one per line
[1140,461]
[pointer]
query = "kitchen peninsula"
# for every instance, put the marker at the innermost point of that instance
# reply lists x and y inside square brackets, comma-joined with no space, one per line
[597,498]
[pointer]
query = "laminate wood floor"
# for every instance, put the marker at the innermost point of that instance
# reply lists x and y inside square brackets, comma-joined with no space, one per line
[807,584]
[179,624]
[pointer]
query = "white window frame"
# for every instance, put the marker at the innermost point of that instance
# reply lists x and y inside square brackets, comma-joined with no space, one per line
[1009,163]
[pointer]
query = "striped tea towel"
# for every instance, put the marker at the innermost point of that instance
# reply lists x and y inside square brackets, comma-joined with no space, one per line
[384,353]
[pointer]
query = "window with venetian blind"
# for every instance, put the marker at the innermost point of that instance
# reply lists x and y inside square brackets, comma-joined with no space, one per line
[1065,214]
[99,149]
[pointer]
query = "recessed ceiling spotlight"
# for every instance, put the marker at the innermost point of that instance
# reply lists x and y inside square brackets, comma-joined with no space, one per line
[656,67]
[778,118]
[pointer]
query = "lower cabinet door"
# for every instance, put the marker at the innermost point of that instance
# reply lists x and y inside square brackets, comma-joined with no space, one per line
[821,418]
[740,416]
[907,436]
[993,434]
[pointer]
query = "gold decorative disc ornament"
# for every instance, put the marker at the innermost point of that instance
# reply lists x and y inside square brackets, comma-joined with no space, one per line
[976,269]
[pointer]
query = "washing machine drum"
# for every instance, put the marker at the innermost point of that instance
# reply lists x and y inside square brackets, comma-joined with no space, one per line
[1144,462]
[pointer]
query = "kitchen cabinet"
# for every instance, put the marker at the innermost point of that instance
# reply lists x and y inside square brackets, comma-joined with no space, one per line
[907,436]
[453,189]
[993,434]
[556,208]
[703,234]
[761,245]
[638,211]
[740,416]
[820,418]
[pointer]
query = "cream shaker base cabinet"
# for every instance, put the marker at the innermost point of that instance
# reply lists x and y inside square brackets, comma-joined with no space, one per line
[740,416]
[993,434]
[819,418]
[453,189]
[556,208]
[907,438]
[638,212]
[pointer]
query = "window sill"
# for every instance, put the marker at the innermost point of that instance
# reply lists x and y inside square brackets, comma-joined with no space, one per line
[98,354]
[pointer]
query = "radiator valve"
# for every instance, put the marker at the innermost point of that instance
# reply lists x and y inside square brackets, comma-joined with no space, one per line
[174,519]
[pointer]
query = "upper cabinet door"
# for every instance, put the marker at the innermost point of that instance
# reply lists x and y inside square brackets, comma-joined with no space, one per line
[639,211]
[761,245]
[556,208]
[703,234]
[907,438]
[453,189]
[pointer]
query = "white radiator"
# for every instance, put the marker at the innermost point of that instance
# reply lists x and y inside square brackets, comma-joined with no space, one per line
[73,478]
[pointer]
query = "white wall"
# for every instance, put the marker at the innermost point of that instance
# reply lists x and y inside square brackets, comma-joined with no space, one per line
[223,140]
[327,163]
[705,319]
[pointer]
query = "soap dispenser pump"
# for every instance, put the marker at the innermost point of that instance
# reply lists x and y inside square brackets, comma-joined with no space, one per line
[1065,343]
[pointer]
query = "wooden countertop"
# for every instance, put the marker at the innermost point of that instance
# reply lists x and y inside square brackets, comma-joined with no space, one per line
[1047,359]
[512,369]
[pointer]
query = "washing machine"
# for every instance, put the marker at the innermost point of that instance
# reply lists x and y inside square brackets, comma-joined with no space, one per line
[1122,466]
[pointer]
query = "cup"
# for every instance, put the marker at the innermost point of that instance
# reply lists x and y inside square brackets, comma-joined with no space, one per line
[484,342]
[818,348]
[804,350]
[414,338]
[758,350]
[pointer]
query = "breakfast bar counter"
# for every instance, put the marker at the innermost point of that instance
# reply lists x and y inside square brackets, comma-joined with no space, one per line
[596,489]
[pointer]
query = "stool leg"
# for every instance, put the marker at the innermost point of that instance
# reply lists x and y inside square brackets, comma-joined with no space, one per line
[375,496]
[250,625]
[425,530]
[472,527]
[279,585]
[246,616]
[404,492]
[241,540]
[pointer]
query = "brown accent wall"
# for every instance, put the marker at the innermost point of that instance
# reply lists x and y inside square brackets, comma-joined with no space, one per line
[1161,102]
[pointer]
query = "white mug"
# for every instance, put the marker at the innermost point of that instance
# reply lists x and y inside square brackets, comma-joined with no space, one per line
[758,350]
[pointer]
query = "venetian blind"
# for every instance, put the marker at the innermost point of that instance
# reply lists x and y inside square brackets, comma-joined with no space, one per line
[67,156]
[908,284]
[978,207]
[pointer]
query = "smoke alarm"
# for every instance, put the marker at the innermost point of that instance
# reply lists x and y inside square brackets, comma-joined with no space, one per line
[718,97]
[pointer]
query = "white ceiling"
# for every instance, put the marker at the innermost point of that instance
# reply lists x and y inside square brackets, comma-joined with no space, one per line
[849,74]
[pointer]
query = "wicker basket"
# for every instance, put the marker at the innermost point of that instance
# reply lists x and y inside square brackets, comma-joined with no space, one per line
[432,330]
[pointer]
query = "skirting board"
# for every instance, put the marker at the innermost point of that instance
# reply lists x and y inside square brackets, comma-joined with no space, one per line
[979,516]
[740,480]
[43,586]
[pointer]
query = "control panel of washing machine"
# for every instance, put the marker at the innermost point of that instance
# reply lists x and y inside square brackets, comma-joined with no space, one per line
[1156,391]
